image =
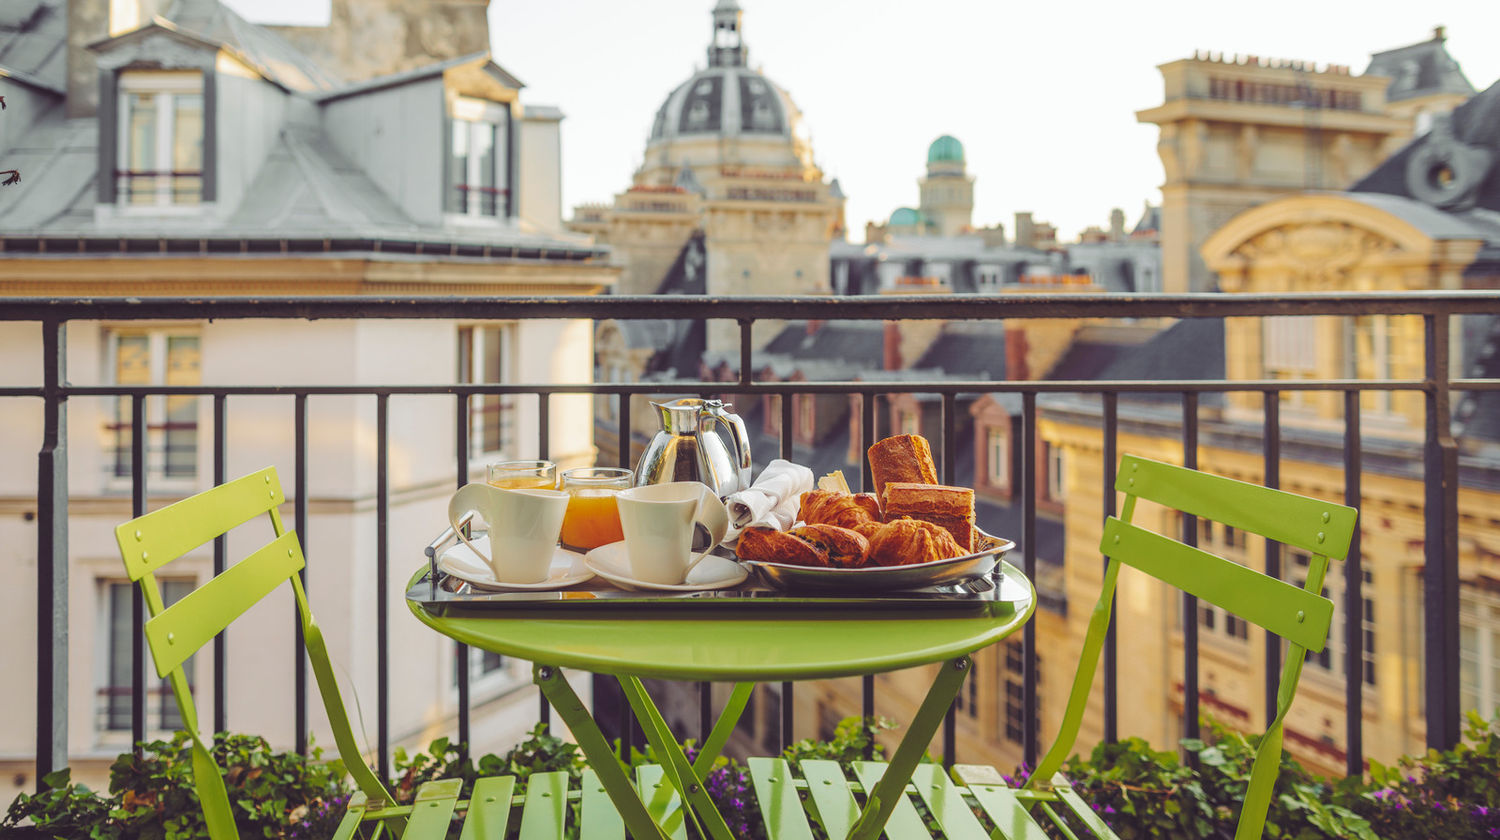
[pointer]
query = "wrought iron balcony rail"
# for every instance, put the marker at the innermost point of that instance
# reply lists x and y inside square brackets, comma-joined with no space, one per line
[1440,467]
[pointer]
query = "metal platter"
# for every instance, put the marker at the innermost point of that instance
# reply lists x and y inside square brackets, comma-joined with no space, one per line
[887,578]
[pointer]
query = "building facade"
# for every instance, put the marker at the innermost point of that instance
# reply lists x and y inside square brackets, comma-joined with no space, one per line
[203,155]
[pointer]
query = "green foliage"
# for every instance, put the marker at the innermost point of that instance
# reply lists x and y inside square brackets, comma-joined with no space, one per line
[851,738]
[151,795]
[1453,794]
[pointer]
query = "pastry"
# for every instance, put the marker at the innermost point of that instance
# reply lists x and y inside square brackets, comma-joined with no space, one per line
[904,542]
[769,545]
[901,458]
[828,507]
[846,549]
[950,507]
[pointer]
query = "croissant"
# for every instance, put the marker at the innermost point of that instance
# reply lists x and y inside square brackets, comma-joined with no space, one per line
[846,549]
[908,541]
[769,545]
[828,507]
[901,458]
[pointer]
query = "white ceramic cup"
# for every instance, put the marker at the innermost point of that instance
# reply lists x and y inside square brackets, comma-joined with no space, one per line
[659,520]
[523,524]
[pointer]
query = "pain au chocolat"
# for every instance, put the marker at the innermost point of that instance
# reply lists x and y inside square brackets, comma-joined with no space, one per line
[846,549]
[949,507]
[769,545]
[901,458]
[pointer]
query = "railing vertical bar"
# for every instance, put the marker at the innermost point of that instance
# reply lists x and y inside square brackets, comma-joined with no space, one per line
[299,512]
[382,586]
[1440,543]
[867,438]
[221,666]
[1354,602]
[746,351]
[705,710]
[949,467]
[625,461]
[1029,453]
[1190,602]
[137,603]
[1271,454]
[544,452]
[785,726]
[461,650]
[52,558]
[1111,465]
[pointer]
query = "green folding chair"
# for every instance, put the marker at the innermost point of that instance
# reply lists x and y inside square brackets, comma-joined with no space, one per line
[1301,616]
[174,633]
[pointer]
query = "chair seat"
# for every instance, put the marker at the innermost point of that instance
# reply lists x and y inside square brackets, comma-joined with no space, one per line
[972,804]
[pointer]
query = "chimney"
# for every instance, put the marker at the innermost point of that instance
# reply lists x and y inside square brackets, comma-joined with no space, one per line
[892,359]
[1116,225]
[88,21]
[1015,355]
[1025,234]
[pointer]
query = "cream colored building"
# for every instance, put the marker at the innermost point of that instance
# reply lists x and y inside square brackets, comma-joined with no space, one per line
[220,160]
[1240,131]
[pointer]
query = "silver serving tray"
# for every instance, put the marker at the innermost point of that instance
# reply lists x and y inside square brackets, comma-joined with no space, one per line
[887,578]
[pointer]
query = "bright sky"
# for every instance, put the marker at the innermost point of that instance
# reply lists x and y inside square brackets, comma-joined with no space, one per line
[1043,95]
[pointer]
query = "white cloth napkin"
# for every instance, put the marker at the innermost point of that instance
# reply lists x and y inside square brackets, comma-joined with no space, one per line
[770,501]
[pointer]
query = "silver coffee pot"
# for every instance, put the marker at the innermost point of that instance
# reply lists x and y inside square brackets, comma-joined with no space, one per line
[688,448]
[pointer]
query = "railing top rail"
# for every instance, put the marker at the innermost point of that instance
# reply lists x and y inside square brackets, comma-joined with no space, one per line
[825,307]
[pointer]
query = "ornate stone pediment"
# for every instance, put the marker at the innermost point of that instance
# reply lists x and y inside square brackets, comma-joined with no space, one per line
[1316,255]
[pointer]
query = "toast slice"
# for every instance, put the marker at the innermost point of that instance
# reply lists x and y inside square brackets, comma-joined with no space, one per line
[951,508]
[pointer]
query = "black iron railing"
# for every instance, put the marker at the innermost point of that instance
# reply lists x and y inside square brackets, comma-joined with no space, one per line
[1440,468]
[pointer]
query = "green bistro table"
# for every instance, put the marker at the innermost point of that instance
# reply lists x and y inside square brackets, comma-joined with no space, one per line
[742,643]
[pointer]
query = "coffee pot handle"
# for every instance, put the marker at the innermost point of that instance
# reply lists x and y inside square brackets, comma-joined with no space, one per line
[741,438]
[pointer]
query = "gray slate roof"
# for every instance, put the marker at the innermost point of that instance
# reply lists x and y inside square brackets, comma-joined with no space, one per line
[1419,70]
[33,42]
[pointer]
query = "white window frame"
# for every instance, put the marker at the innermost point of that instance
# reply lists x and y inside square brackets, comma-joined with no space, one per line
[168,85]
[157,338]
[471,114]
[1056,485]
[1479,612]
[997,458]
[477,374]
[159,698]
[909,421]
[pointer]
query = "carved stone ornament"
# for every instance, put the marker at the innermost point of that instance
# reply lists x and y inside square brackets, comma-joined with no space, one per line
[1317,255]
[158,50]
[1445,171]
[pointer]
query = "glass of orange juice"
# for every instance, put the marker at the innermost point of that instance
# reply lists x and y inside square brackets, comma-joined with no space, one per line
[522,475]
[592,518]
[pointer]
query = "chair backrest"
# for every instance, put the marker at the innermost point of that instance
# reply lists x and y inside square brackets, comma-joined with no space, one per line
[1300,615]
[150,542]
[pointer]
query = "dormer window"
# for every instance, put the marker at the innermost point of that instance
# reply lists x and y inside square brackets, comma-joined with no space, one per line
[479,160]
[160,145]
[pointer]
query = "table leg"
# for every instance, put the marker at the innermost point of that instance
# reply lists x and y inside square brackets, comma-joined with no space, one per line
[595,746]
[682,774]
[723,728]
[881,801]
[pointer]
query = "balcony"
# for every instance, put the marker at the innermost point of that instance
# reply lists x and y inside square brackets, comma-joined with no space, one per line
[369,445]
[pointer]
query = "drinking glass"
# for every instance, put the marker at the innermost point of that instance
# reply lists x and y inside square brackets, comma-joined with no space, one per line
[593,518]
[522,475]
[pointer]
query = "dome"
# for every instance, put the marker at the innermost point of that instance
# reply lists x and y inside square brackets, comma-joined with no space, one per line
[905,217]
[726,101]
[945,148]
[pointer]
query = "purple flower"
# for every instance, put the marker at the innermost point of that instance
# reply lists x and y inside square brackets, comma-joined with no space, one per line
[1109,809]
[1480,811]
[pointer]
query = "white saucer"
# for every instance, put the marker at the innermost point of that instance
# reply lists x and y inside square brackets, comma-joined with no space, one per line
[715,572]
[567,569]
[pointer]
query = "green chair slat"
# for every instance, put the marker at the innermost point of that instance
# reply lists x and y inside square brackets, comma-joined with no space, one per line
[946,803]
[1295,614]
[545,814]
[600,820]
[1081,809]
[905,822]
[780,806]
[432,810]
[1007,813]
[353,814]
[151,541]
[489,808]
[1275,514]
[179,631]
[662,801]
[829,792]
